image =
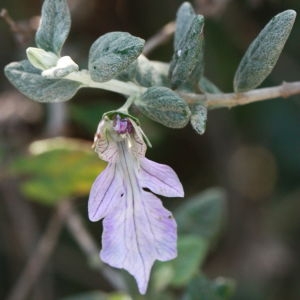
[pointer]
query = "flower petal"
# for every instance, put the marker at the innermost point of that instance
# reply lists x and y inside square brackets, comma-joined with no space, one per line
[106,148]
[139,231]
[160,179]
[138,147]
[105,193]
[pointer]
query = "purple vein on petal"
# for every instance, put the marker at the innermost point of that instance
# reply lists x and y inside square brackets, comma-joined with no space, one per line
[149,230]
[104,194]
[137,229]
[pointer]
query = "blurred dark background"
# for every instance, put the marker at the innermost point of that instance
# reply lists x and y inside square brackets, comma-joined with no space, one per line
[252,151]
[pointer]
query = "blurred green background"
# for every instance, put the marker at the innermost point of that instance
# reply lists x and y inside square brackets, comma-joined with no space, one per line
[248,231]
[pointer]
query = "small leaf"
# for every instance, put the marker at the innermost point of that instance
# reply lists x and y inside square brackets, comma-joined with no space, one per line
[112,53]
[58,168]
[203,215]
[188,57]
[207,86]
[65,66]
[40,58]
[164,106]
[198,117]
[147,74]
[143,72]
[29,81]
[263,53]
[184,18]
[54,26]
[129,73]
[192,251]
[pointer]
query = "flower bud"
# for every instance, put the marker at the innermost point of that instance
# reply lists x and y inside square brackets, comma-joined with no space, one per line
[65,65]
[40,58]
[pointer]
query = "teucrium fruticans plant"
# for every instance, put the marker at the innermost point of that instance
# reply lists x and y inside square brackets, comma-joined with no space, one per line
[171,94]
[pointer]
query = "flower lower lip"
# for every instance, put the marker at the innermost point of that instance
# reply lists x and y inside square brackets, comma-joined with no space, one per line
[137,229]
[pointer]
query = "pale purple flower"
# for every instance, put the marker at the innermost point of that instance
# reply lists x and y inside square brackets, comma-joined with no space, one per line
[137,229]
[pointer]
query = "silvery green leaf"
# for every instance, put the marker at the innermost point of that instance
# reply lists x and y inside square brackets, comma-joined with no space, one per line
[148,74]
[198,117]
[129,73]
[189,54]
[162,69]
[207,86]
[164,106]
[184,18]
[263,53]
[54,26]
[29,81]
[112,53]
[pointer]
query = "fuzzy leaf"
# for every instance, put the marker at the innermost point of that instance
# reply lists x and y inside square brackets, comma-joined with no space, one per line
[29,81]
[147,75]
[188,57]
[184,18]
[164,106]
[54,26]
[112,53]
[207,86]
[263,53]
[198,117]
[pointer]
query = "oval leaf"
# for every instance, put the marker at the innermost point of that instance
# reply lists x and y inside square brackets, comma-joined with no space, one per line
[263,53]
[184,18]
[189,54]
[28,80]
[54,26]
[206,86]
[112,53]
[147,75]
[164,106]
[199,117]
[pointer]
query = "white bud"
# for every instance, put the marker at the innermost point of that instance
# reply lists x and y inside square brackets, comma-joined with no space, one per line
[40,58]
[65,65]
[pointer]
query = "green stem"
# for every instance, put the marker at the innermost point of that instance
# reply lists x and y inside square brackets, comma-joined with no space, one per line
[113,85]
[124,108]
[211,101]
